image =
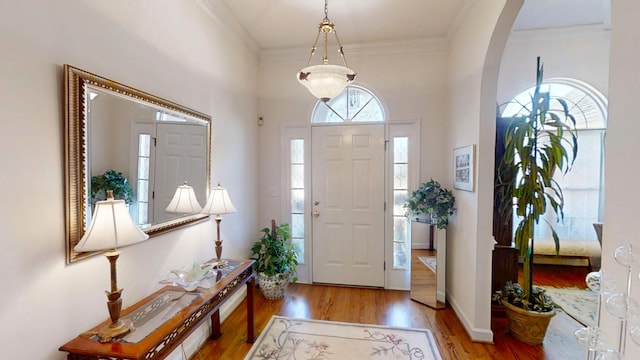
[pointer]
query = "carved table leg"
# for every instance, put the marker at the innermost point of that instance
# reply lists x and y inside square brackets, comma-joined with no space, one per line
[251,332]
[215,325]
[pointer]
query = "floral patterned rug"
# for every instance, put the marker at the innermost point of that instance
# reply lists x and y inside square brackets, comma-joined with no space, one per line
[301,339]
[580,304]
[429,261]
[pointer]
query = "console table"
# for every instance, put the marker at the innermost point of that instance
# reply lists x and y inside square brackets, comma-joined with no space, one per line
[164,319]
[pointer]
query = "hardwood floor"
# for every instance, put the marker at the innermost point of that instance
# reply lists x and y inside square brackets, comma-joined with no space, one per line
[395,308]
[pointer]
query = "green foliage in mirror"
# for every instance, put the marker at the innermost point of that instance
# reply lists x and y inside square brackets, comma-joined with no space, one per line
[111,180]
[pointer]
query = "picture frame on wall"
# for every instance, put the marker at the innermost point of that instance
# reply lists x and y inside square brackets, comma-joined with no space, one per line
[463,166]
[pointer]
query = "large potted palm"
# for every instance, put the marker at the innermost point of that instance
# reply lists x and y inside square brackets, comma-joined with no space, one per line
[538,144]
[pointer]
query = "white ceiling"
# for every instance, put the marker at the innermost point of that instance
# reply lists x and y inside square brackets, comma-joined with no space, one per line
[277,24]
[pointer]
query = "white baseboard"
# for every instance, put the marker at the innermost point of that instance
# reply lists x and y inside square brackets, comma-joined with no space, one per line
[194,342]
[476,334]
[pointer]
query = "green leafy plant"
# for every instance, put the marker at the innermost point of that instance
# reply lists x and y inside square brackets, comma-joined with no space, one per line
[274,252]
[111,180]
[432,199]
[537,145]
[513,293]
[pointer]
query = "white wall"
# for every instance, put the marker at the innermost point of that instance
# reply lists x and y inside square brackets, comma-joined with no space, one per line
[580,53]
[621,219]
[476,50]
[171,49]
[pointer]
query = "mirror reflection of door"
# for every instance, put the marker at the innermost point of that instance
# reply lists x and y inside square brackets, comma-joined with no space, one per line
[128,137]
[428,257]
[348,204]
[181,155]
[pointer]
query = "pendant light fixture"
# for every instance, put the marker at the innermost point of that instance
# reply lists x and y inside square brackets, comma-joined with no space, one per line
[326,81]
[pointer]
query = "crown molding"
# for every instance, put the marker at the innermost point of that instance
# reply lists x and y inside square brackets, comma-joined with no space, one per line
[366,49]
[457,21]
[221,15]
[568,32]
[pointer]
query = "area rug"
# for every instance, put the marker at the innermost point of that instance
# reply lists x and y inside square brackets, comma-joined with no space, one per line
[301,339]
[430,261]
[581,305]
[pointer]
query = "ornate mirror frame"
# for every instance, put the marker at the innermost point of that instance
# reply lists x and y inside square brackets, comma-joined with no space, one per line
[77,174]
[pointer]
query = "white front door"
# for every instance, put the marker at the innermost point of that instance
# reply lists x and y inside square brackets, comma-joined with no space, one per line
[348,205]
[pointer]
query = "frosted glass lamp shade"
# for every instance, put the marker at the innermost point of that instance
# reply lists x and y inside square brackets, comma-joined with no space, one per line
[111,227]
[184,201]
[219,202]
[326,81]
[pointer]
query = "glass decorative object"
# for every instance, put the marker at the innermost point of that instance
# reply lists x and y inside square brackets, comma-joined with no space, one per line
[189,279]
[617,303]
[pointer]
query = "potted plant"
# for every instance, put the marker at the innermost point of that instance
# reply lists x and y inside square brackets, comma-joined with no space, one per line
[111,180]
[537,145]
[433,200]
[276,260]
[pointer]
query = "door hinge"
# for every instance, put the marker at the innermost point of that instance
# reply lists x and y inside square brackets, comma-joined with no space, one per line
[385,144]
[154,141]
[384,266]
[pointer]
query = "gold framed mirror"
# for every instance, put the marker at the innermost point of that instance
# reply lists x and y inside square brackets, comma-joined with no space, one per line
[155,144]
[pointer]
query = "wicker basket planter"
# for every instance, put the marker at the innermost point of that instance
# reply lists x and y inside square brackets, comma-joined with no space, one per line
[273,287]
[527,326]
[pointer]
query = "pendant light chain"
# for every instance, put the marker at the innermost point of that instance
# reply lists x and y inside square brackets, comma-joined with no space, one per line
[326,81]
[326,10]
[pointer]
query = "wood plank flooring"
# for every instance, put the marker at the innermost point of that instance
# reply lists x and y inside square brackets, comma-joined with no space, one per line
[395,308]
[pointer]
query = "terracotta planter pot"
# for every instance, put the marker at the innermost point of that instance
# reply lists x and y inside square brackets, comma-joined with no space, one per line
[527,326]
[273,287]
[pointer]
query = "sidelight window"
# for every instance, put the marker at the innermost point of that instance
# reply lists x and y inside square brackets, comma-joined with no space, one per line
[296,156]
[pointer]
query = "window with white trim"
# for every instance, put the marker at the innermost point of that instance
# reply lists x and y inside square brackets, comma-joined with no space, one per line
[354,104]
[142,186]
[583,186]
[401,248]
[297,189]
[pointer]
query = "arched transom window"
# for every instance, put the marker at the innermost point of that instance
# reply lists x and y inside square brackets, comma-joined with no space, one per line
[355,104]
[583,186]
[586,104]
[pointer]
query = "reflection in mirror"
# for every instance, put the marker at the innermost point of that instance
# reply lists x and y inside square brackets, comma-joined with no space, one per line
[428,264]
[119,135]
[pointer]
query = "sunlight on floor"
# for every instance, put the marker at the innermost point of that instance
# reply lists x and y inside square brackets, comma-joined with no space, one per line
[397,315]
[297,308]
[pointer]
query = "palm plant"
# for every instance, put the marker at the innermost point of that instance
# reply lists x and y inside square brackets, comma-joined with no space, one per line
[537,145]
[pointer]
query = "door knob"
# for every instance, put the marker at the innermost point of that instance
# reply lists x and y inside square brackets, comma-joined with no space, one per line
[316,213]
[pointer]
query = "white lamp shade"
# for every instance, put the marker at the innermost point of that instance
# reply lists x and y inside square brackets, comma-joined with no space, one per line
[184,201]
[219,202]
[111,227]
[325,81]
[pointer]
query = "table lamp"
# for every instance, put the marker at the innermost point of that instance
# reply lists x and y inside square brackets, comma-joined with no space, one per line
[184,201]
[219,203]
[111,228]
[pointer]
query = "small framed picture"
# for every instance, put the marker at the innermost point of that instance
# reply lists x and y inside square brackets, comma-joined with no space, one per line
[463,165]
